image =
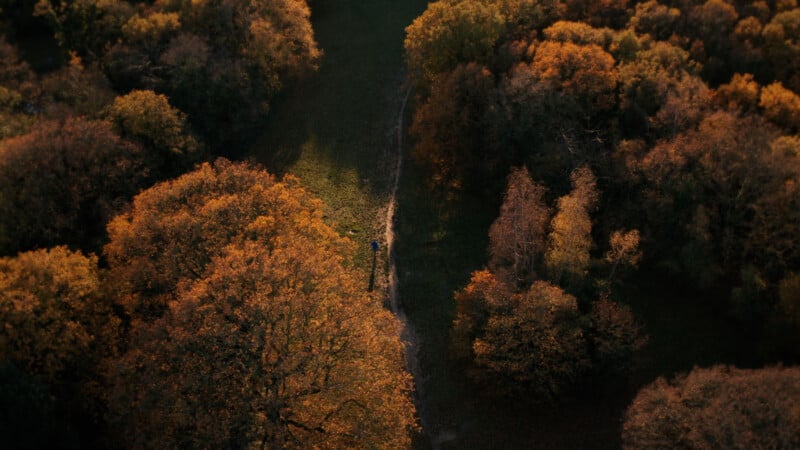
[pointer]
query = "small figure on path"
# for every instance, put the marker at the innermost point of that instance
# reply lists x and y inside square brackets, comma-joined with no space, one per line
[374,246]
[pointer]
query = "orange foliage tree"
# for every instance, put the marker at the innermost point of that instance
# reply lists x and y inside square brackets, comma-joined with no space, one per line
[56,323]
[248,330]
[570,240]
[718,407]
[524,334]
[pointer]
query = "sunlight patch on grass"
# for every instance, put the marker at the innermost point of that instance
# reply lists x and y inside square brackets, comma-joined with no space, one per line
[351,205]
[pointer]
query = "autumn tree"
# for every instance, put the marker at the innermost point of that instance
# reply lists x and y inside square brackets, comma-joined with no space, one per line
[731,182]
[517,236]
[148,118]
[742,92]
[57,324]
[557,98]
[524,334]
[522,16]
[16,87]
[267,339]
[611,13]
[718,407]
[623,250]
[76,89]
[577,33]
[781,106]
[57,327]
[449,33]
[660,91]
[653,18]
[614,337]
[569,242]
[85,26]
[524,342]
[62,181]
[782,47]
[175,228]
[236,53]
[583,73]
[449,127]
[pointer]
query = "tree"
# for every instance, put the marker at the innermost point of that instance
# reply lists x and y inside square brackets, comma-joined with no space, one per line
[577,33]
[62,181]
[742,92]
[57,325]
[85,26]
[624,250]
[651,17]
[174,229]
[562,92]
[148,118]
[614,337]
[781,106]
[585,73]
[449,33]
[532,342]
[18,91]
[267,340]
[611,13]
[517,237]
[567,257]
[75,90]
[522,16]
[782,47]
[235,52]
[718,407]
[473,309]
[450,127]
[735,193]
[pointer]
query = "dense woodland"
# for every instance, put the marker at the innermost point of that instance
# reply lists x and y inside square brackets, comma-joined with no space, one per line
[158,290]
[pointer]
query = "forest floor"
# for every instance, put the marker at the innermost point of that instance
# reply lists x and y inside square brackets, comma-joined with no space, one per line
[337,130]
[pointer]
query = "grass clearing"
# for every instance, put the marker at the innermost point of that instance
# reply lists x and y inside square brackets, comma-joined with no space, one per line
[333,129]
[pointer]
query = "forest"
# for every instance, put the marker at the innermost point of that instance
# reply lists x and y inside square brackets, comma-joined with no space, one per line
[400,224]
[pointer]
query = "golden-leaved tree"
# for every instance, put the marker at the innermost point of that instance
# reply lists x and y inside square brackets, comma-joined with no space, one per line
[56,328]
[567,256]
[57,325]
[248,329]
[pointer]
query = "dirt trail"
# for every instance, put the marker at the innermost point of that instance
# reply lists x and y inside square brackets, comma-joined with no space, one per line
[408,335]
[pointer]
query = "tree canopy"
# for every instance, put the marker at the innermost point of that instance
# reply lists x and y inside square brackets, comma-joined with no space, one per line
[248,329]
[717,407]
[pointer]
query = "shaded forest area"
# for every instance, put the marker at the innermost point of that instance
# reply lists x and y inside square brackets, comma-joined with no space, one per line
[641,163]
[592,186]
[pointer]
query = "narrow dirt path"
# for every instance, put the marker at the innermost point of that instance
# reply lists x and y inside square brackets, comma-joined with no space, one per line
[408,335]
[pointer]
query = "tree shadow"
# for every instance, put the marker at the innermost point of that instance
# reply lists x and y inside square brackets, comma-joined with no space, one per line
[372,272]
